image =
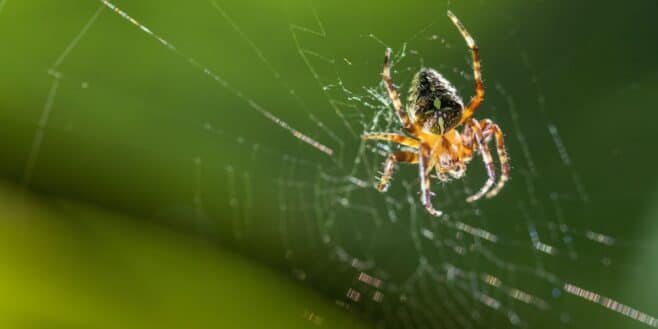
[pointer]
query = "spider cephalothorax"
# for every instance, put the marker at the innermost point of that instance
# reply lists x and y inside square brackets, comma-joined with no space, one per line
[433,112]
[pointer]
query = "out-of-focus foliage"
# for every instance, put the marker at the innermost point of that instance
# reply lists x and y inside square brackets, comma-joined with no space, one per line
[124,123]
[69,266]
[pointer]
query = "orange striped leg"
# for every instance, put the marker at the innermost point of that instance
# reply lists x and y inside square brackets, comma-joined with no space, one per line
[399,139]
[424,167]
[486,157]
[477,73]
[488,129]
[393,94]
[389,167]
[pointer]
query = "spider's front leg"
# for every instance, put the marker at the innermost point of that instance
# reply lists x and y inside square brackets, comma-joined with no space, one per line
[424,167]
[473,130]
[403,116]
[489,128]
[389,167]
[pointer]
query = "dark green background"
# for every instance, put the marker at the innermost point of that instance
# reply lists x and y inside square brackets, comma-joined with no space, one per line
[126,135]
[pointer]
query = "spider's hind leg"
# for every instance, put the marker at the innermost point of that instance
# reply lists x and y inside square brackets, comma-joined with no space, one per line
[477,71]
[394,95]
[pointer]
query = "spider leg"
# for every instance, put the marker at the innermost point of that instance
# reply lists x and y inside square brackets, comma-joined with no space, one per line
[486,157]
[396,138]
[389,167]
[403,116]
[424,168]
[477,74]
[488,129]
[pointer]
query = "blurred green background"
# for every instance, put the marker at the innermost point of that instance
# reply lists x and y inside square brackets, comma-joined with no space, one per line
[142,187]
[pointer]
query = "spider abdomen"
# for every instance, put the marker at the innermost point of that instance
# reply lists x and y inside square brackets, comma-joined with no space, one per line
[433,102]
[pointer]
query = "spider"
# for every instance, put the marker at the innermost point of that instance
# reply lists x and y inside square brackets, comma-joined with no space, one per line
[434,112]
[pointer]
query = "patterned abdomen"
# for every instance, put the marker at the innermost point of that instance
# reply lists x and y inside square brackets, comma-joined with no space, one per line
[433,102]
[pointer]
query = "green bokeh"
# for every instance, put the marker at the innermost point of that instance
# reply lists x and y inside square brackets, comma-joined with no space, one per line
[69,266]
[126,132]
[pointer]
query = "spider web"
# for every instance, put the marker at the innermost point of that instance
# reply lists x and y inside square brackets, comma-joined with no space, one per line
[534,256]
